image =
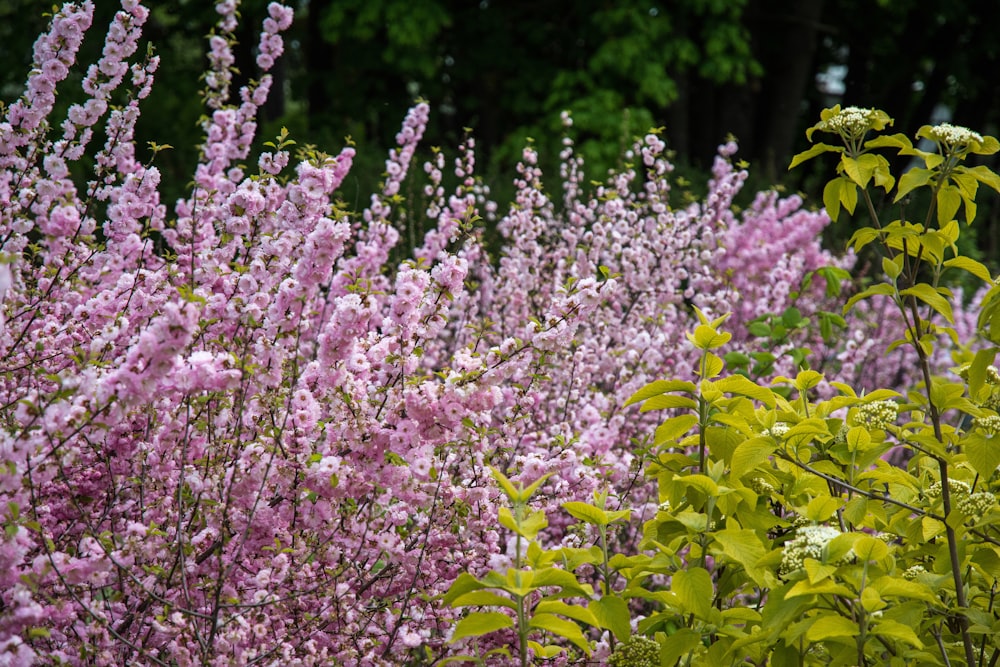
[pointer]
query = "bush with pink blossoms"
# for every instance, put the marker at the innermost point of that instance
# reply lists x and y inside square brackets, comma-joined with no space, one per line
[249,432]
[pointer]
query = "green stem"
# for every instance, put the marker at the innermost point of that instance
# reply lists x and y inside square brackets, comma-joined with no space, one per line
[606,574]
[522,631]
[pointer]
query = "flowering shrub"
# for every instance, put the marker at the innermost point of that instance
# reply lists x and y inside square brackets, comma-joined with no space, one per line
[248,433]
[797,543]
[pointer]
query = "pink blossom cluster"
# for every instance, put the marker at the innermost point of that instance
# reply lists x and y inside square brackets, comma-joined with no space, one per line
[267,442]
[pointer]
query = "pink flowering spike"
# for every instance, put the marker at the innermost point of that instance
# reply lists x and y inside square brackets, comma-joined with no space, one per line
[54,53]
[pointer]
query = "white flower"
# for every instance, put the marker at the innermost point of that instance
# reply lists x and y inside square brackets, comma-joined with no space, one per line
[878,414]
[953,135]
[809,542]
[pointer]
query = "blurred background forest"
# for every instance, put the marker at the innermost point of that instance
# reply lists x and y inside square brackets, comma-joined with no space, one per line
[759,70]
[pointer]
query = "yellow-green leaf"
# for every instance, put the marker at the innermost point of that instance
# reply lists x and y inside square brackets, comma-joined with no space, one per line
[896,630]
[821,508]
[884,289]
[914,178]
[860,169]
[832,627]
[612,613]
[707,338]
[482,598]
[674,428]
[932,298]
[983,453]
[480,623]
[751,454]
[972,266]
[661,387]
[816,149]
[561,628]
[867,548]
[668,401]
[862,237]
[745,548]
[893,266]
[694,590]
[948,201]
[831,197]
[741,385]
[587,513]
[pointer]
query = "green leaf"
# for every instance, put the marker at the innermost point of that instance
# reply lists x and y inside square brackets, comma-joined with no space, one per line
[986,176]
[741,385]
[848,195]
[525,494]
[816,149]
[948,201]
[884,289]
[566,581]
[674,428]
[544,652]
[868,548]
[983,453]
[831,627]
[462,585]
[859,239]
[677,645]
[892,267]
[972,266]
[817,571]
[661,387]
[587,513]
[668,401]
[574,611]
[831,197]
[561,628]
[903,588]
[703,483]
[751,454]
[480,623]
[898,140]
[932,298]
[889,628]
[612,613]
[977,372]
[806,431]
[821,508]
[860,169]
[744,547]
[807,379]
[694,590]
[914,178]
[482,598]
[824,587]
[505,484]
[707,338]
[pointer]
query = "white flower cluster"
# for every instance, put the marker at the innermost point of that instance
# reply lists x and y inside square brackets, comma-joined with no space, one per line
[954,135]
[761,486]
[989,424]
[636,651]
[852,121]
[975,505]
[956,486]
[913,572]
[809,542]
[878,414]
[777,431]
[992,374]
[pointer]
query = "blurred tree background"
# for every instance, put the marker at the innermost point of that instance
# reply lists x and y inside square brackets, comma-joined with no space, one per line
[700,69]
